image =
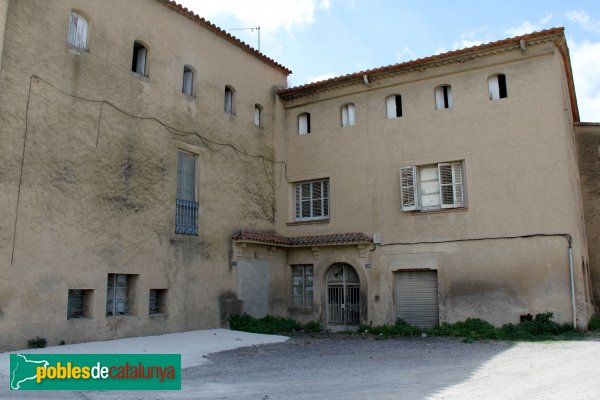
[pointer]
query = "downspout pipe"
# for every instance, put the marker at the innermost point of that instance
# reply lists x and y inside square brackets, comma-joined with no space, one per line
[572,281]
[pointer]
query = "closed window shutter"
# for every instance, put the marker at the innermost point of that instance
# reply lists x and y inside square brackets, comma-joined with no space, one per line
[303,124]
[494,87]
[78,27]
[228,101]
[325,198]
[408,179]
[306,200]
[317,199]
[186,177]
[298,201]
[141,61]
[451,185]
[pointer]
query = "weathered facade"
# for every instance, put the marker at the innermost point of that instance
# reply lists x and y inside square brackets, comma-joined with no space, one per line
[145,173]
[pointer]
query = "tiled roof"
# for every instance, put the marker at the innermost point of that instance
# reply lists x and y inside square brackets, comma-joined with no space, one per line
[358,76]
[220,32]
[302,241]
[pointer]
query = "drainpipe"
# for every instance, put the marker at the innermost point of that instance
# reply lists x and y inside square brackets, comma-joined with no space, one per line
[572,279]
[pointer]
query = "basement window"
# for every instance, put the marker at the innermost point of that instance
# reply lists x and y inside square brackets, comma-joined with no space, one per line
[394,106]
[443,97]
[79,303]
[120,291]
[157,302]
[303,124]
[138,62]
[497,87]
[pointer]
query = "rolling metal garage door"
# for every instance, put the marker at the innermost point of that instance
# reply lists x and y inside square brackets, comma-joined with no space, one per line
[416,297]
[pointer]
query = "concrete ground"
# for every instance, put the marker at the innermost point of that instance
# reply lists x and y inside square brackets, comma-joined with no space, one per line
[354,367]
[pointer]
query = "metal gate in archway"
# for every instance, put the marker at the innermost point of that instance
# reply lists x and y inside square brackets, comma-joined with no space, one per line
[343,295]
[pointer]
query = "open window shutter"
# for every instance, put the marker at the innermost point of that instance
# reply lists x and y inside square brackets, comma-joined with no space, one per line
[82,27]
[141,61]
[351,115]
[345,118]
[494,88]
[303,124]
[325,198]
[408,188]
[72,38]
[439,98]
[298,201]
[451,185]
[391,107]
[317,199]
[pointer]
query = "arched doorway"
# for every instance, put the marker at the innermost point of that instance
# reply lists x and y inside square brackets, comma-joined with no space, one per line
[343,295]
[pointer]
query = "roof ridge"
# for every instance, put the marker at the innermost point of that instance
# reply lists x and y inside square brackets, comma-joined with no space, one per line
[423,60]
[221,32]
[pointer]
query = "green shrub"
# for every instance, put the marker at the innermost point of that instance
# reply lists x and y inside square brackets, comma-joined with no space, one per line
[594,324]
[400,328]
[471,329]
[313,327]
[37,343]
[267,325]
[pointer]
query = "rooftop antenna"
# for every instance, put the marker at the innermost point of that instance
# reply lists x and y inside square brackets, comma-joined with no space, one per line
[257,29]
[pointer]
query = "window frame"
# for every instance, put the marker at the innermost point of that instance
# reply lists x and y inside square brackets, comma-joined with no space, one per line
[74,39]
[393,105]
[497,87]
[86,302]
[189,74]
[229,100]
[258,115]
[160,300]
[311,200]
[307,298]
[139,58]
[450,185]
[128,287]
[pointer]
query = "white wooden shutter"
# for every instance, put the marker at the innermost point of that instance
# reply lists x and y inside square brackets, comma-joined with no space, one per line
[141,61]
[256,116]
[188,79]
[345,117]
[303,124]
[408,188]
[439,98]
[494,87]
[391,107]
[351,115]
[451,185]
[78,27]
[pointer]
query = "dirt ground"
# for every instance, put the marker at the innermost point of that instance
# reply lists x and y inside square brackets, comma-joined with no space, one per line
[354,367]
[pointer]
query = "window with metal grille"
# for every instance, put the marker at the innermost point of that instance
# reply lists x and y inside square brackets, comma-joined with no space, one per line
[443,97]
[188,81]
[79,303]
[497,87]
[138,61]
[78,31]
[302,285]
[394,106]
[312,200]
[157,301]
[119,294]
[348,115]
[432,187]
[186,218]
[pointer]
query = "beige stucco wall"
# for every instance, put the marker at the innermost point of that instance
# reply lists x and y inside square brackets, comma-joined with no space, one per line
[588,145]
[97,195]
[520,172]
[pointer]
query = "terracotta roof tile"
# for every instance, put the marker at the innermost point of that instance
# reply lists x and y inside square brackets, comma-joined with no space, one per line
[301,241]
[220,32]
[358,76]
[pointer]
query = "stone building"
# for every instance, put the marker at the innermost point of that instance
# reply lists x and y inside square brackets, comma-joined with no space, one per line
[155,180]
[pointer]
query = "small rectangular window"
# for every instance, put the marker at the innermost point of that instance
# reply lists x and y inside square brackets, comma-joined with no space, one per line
[303,124]
[119,294]
[138,64]
[302,285]
[157,302]
[443,97]
[257,115]
[394,106]
[78,31]
[312,200]
[348,115]
[79,303]
[497,87]
[188,81]
[228,100]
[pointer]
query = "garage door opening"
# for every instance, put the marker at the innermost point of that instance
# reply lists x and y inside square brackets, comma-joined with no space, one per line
[343,297]
[416,297]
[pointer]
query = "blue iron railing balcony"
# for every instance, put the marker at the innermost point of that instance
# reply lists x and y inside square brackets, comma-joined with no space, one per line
[186,219]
